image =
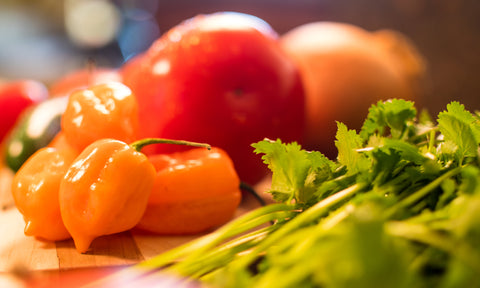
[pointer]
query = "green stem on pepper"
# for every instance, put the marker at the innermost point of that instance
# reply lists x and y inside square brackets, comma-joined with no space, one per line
[138,145]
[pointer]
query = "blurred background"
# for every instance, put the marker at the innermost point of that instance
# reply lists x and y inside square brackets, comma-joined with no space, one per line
[45,39]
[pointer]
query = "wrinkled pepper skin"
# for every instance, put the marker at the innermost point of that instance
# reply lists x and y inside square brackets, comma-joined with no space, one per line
[103,111]
[195,191]
[105,191]
[35,189]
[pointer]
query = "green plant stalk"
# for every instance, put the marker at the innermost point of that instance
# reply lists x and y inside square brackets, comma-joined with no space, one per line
[194,265]
[307,216]
[419,194]
[217,258]
[421,233]
[291,278]
[207,258]
[300,241]
[196,252]
[295,246]
[431,143]
[245,187]
[236,227]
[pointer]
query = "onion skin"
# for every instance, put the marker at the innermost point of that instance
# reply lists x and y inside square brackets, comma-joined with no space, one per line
[345,69]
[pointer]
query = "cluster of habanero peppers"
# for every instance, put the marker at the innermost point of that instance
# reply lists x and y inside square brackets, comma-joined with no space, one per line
[89,182]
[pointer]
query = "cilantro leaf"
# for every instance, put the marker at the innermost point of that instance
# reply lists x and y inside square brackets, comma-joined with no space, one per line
[408,151]
[347,143]
[461,128]
[395,114]
[295,172]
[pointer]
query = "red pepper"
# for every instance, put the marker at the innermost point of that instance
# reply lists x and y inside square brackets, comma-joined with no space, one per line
[15,97]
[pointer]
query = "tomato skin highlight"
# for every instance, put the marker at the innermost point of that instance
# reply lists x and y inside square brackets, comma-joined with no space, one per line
[221,79]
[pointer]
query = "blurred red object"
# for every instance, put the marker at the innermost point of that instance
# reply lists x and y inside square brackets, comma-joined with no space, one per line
[96,277]
[83,78]
[222,79]
[15,97]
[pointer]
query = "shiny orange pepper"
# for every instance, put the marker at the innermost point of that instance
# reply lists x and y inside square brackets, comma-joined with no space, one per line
[102,111]
[194,191]
[35,189]
[105,191]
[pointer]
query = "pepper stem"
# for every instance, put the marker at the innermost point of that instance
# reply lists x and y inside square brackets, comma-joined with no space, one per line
[138,145]
[245,187]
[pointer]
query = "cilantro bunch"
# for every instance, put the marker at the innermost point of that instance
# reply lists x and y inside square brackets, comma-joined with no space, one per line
[399,207]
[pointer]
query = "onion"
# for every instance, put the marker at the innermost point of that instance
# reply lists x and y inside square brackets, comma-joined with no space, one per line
[345,69]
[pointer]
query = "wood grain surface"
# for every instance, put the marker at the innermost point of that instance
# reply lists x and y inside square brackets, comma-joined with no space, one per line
[21,253]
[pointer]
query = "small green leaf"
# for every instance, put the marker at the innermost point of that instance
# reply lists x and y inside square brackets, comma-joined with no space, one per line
[347,143]
[408,151]
[461,128]
[392,115]
[294,171]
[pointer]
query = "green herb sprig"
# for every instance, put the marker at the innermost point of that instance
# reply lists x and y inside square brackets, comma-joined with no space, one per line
[399,207]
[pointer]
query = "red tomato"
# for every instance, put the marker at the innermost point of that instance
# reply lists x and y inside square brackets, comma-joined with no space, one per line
[83,78]
[222,79]
[15,97]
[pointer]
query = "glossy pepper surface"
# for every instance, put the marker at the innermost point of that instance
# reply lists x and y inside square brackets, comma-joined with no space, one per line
[103,111]
[194,191]
[105,191]
[35,189]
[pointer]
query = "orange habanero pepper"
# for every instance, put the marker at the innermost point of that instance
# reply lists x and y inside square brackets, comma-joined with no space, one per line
[103,111]
[105,191]
[35,189]
[194,191]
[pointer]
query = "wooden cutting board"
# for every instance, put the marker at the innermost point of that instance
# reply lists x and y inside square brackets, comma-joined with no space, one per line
[18,252]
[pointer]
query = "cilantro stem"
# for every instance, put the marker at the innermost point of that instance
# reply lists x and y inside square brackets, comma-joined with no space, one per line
[206,259]
[431,142]
[220,256]
[307,216]
[202,244]
[247,188]
[423,234]
[419,194]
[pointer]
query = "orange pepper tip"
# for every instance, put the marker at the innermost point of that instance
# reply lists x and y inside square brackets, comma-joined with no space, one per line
[36,229]
[82,243]
[139,144]
[29,228]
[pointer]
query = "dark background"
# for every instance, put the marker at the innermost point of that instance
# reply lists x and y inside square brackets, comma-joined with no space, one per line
[33,41]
